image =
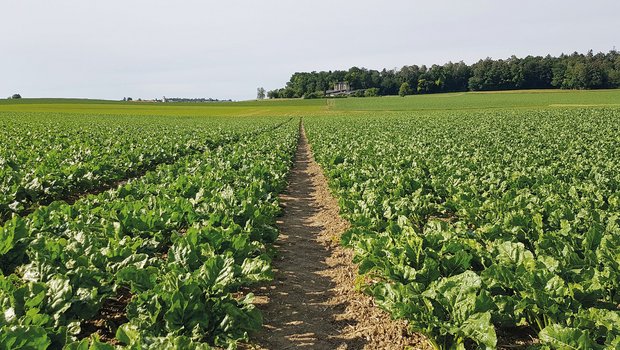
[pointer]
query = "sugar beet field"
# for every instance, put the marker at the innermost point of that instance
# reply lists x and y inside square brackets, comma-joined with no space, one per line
[464,228]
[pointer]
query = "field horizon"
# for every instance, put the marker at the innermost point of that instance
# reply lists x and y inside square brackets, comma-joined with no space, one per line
[507,99]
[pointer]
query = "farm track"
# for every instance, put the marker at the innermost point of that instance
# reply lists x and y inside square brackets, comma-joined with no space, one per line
[138,173]
[313,302]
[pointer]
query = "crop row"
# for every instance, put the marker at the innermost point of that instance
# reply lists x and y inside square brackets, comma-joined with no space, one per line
[47,157]
[166,252]
[472,224]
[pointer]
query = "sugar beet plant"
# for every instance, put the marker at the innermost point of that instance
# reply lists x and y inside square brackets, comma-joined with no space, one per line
[46,156]
[466,224]
[175,244]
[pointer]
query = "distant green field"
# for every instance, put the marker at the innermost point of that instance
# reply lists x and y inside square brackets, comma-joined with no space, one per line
[485,100]
[451,101]
[244,108]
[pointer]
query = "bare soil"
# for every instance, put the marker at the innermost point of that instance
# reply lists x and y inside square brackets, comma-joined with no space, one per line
[519,338]
[111,316]
[313,303]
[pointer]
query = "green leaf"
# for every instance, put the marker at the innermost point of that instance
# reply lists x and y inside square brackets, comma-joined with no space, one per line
[128,334]
[22,337]
[92,343]
[479,328]
[217,274]
[566,338]
[59,294]
[256,270]
[11,233]
[81,345]
[172,342]
[514,254]
[457,294]
[140,279]
[97,345]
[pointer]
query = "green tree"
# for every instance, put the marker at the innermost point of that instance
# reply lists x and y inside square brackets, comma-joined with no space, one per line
[404,90]
[273,93]
[16,96]
[260,93]
[574,71]
[425,86]
[614,72]
[371,92]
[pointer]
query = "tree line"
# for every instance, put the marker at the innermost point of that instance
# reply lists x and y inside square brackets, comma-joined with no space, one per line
[574,71]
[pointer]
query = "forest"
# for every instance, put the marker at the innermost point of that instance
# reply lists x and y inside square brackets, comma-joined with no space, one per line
[574,71]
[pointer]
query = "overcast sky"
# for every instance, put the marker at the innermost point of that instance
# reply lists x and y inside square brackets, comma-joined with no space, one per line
[226,49]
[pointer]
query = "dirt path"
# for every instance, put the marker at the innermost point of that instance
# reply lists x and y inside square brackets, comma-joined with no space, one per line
[312,303]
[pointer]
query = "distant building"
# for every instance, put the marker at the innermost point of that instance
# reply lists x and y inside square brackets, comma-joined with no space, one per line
[341,87]
[164,99]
